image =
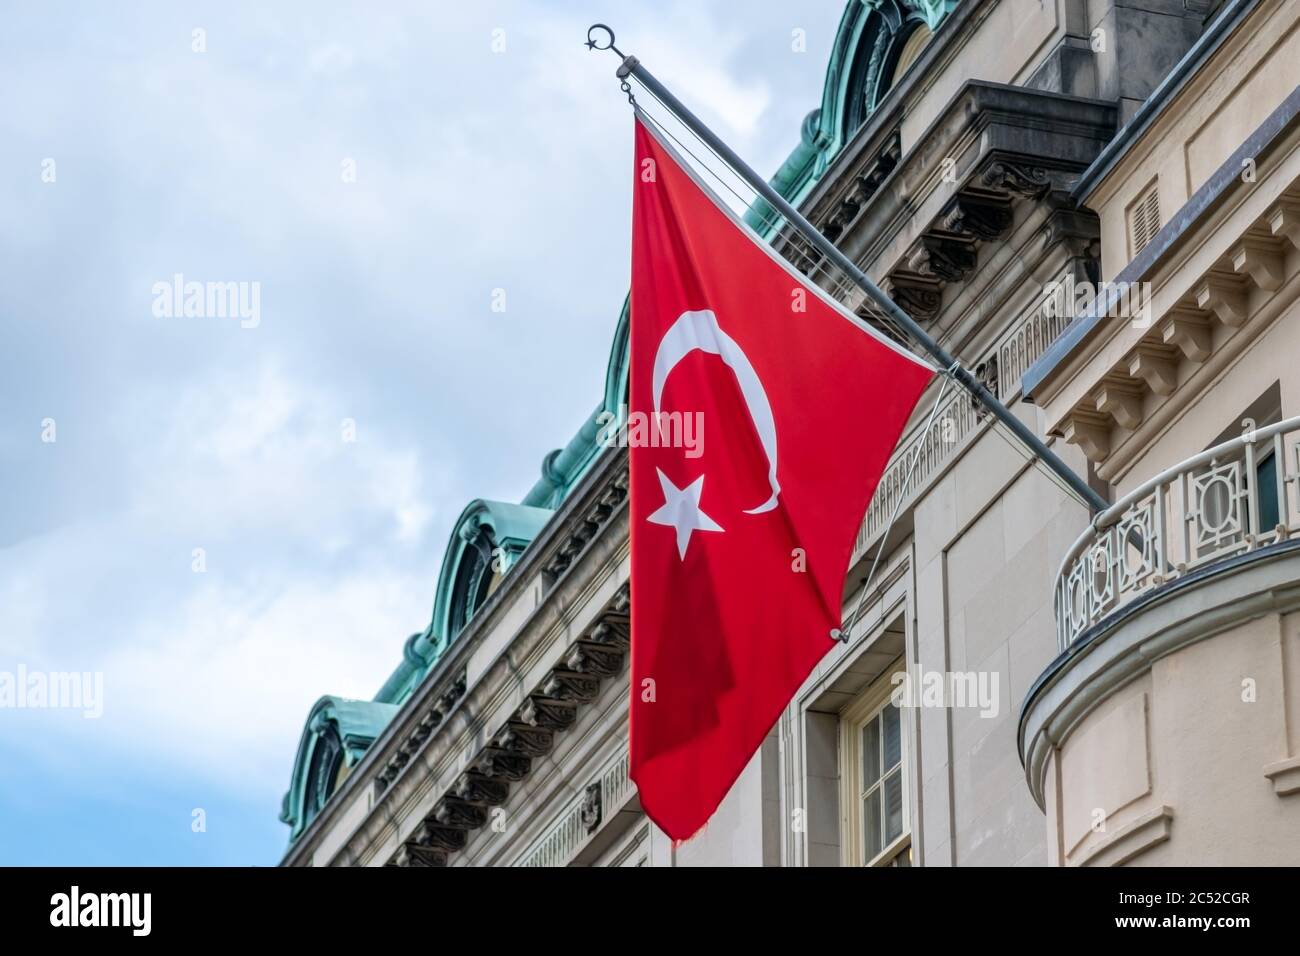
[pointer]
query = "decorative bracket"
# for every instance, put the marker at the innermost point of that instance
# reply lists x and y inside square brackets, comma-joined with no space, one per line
[1225,299]
[1261,261]
[1157,367]
[1190,332]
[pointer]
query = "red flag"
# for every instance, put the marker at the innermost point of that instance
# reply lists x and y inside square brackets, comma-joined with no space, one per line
[776,414]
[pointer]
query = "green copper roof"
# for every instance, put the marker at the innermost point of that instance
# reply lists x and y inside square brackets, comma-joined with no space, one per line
[867,42]
[486,540]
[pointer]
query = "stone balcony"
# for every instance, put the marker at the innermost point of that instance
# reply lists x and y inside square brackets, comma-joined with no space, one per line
[1167,731]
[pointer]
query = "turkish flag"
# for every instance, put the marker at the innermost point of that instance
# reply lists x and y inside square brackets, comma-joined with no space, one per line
[776,413]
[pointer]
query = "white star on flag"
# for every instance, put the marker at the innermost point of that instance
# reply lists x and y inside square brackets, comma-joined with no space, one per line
[681,510]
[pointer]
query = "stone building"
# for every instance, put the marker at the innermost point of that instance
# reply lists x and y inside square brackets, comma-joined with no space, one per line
[1024,684]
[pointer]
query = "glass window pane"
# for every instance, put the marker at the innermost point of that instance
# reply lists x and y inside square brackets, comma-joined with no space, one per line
[893,808]
[871,825]
[870,753]
[893,737]
[1216,503]
[1266,478]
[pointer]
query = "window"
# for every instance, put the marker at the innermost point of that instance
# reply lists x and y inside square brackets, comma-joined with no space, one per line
[476,580]
[916,41]
[326,772]
[874,769]
[1266,476]
[889,44]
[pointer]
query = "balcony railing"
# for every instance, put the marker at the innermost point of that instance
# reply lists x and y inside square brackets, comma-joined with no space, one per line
[955,423]
[1234,498]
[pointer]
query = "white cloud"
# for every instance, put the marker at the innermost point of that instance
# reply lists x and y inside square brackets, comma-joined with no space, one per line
[473,171]
[331,58]
[221,684]
[213,673]
[249,451]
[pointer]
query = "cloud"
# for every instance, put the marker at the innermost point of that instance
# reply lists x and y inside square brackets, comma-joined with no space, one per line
[249,451]
[475,171]
[315,564]
[221,685]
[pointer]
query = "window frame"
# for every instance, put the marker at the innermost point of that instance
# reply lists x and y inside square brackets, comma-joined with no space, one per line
[852,719]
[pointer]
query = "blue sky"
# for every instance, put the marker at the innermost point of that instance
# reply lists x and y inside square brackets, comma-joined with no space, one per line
[475,170]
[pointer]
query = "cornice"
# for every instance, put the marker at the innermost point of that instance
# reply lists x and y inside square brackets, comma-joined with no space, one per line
[1115,380]
[926,217]
[1192,216]
[434,701]
[506,756]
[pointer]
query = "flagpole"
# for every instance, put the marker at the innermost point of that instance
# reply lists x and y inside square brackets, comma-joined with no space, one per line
[632,67]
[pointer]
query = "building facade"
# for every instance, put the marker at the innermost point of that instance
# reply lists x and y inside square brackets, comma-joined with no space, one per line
[1023,683]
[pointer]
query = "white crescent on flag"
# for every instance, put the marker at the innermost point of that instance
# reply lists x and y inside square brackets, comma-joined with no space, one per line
[700,331]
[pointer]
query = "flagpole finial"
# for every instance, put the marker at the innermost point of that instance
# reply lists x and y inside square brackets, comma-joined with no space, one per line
[596,42]
[601,37]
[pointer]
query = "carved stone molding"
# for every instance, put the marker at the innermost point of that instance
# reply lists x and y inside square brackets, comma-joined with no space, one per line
[801,253]
[571,685]
[1284,221]
[414,855]
[1188,330]
[528,734]
[1021,178]
[986,373]
[612,630]
[431,720]
[586,657]
[1122,400]
[461,814]
[917,294]
[438,837]
[519,737]
[479,788]
[1224,298]
[591,807]
[503,764]
[943,256]
[1090,431]
[978,214]
[1079,231]
[547,712]
[865,183]
[990,147]
[586,527]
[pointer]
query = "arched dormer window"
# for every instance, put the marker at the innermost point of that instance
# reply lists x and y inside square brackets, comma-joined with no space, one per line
[487,539]
[890,41]
[876,42]
[477,577]
[326,770]
[335,738]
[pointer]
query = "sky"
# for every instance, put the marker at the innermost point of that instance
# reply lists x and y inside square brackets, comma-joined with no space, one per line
[223,517]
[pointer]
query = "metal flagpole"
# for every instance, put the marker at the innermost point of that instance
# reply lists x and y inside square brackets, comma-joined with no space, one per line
[631,67]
